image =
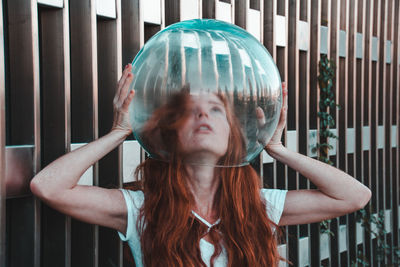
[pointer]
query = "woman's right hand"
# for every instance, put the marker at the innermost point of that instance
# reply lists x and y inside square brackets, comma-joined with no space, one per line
[57,184]
[123,97]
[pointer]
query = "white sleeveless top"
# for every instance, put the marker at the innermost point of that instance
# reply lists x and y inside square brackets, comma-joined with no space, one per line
[134,200]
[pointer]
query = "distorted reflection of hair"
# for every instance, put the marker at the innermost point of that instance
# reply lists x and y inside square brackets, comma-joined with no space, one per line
[168,228]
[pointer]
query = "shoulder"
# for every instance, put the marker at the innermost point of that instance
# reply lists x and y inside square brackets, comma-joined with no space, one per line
[134,198]
[134,201]
[273,196]
[274,200]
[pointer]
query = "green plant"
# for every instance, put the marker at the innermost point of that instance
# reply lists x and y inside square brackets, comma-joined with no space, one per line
[327,104]
[375,226]
[361,260]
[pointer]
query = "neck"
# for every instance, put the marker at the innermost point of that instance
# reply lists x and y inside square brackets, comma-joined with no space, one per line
[203,183]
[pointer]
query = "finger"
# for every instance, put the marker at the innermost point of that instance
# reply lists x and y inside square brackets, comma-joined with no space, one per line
[128,100]
[127,70]
[125,88]
[285,94]
[282,118]
[120,83]
[260,117]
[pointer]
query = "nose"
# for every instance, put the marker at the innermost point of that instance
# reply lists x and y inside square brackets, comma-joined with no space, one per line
[201,112]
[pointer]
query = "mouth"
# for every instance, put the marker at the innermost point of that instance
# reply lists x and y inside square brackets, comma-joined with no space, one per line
[203,128]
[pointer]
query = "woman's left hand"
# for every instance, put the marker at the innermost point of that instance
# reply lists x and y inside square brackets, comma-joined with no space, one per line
[277,136]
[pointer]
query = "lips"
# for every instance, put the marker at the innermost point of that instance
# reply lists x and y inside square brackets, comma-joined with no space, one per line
[204,127]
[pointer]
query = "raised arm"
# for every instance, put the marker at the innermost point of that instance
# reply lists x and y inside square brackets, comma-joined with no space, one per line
[57,185]
[338,193]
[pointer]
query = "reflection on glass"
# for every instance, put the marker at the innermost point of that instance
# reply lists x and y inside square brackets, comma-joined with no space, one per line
[199,58]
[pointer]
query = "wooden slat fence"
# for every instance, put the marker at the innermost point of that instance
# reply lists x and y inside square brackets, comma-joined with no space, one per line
[59,64]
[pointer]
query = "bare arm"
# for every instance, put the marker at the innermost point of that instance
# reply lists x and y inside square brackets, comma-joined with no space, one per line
[338,193]
[57,185]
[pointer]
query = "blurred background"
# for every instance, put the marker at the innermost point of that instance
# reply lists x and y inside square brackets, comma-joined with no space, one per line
[60,61]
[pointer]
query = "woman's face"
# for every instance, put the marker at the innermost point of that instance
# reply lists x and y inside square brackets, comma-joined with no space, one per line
[205,133]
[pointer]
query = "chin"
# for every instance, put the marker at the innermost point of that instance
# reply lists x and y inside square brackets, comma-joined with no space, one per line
[205,152]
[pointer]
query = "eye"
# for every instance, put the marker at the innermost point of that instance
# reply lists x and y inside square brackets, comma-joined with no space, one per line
[218,109]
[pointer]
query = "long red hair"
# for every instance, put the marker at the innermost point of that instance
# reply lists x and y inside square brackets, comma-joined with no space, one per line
[170,235]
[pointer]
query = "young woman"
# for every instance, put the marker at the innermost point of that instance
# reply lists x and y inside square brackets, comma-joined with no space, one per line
[189,212]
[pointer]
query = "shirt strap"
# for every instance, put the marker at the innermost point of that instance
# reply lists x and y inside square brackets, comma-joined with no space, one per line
[209,225]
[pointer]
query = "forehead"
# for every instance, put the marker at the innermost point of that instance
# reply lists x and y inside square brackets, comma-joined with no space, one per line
[206,98]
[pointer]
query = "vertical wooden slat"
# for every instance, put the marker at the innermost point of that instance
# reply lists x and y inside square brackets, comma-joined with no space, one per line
[94,67]
[328,21]
[395,118]
[367,121]
[397,71]
[20,35]
[325,20]
[241,7]
[284,70]
[293,87]
[268,174]
[209,9]
[389,100]
[280,55]
[334,55]
[387,121]
[269,15]
[172,11]
[37,134]
[119,73]
[382,88]
[260,7]
[351,145]
[67,110]
[269,42]
[303,106]
[371,97]
[55,96]
[22,89]
[84,120]
[315,25]
[382,91]
[375,171]
[342,115]
[132,29]
[109,54]
[358,101]
[2,146]
[342,78]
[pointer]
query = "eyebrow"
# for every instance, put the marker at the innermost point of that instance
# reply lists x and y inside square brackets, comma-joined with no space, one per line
[216,103]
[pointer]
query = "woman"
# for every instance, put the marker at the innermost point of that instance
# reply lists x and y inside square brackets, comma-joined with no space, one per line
[196,214]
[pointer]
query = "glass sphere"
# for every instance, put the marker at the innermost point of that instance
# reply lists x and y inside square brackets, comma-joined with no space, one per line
[188,69]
